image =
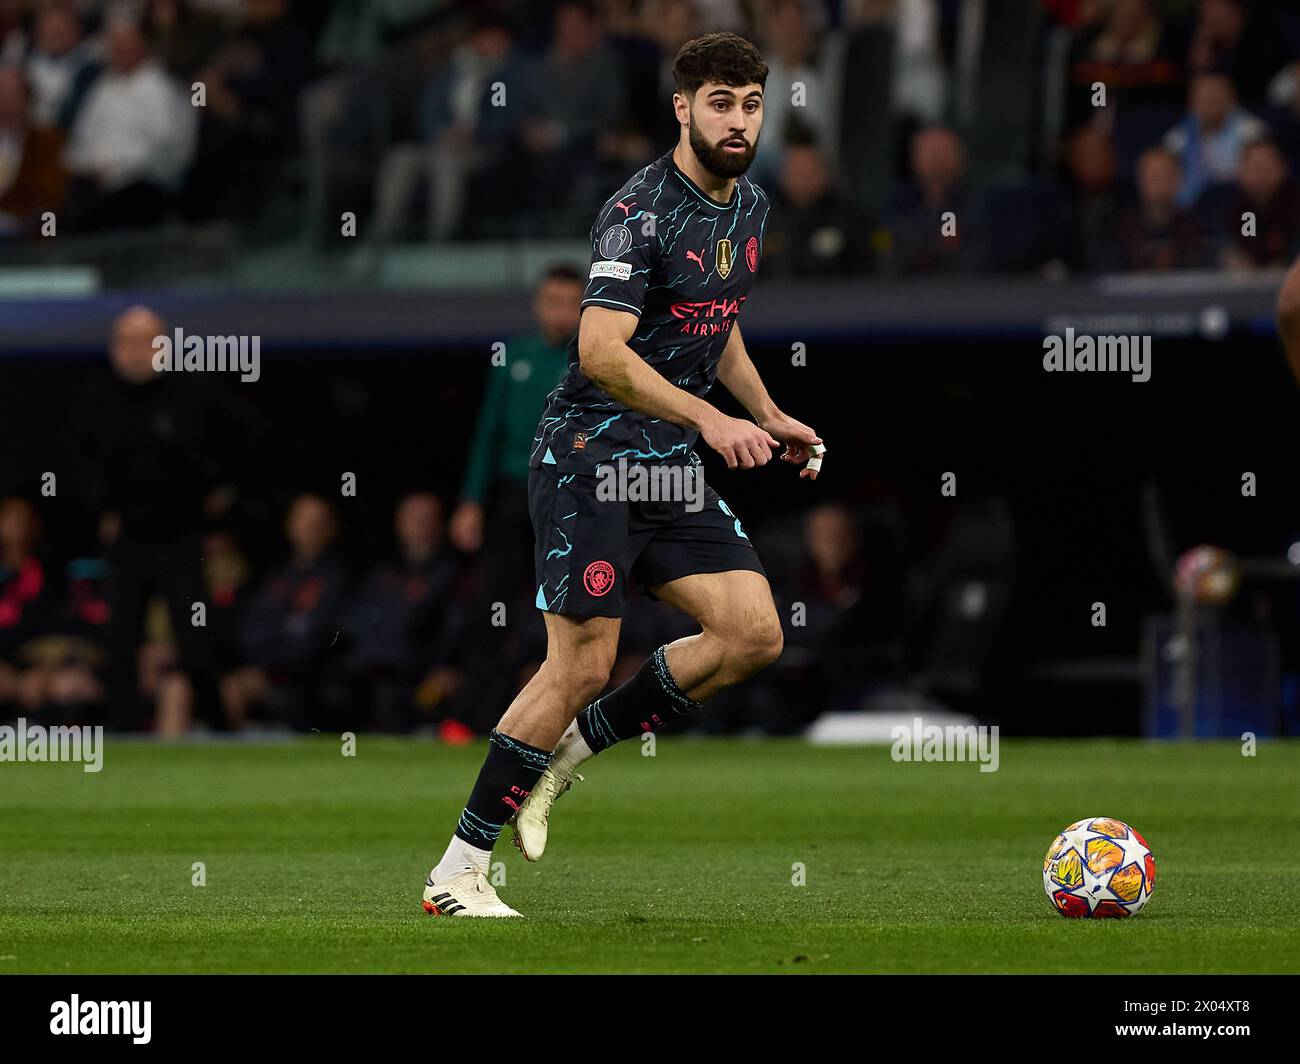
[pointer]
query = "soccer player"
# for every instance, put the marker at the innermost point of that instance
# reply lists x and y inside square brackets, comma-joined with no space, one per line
[674,254]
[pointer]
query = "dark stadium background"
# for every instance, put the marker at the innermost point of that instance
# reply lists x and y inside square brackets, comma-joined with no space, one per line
[1071,489]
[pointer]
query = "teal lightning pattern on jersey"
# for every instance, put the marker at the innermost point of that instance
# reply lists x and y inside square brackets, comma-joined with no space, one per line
[684,263]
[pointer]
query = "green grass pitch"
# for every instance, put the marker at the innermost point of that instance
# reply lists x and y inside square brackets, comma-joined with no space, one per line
[681,862]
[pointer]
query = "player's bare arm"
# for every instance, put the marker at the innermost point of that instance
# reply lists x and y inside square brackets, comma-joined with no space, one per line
[740,376]
[608,362]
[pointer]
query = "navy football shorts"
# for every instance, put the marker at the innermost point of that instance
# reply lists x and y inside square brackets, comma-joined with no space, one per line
[585,547]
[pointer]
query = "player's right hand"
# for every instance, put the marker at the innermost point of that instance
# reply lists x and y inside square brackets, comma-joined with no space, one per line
[742,444]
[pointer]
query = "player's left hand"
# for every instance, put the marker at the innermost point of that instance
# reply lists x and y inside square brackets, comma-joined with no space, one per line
[797,438]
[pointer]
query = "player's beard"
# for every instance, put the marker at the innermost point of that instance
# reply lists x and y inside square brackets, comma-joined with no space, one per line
[716,161]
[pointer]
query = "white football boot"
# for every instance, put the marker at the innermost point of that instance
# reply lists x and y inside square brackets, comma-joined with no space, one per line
[530,822]
[466,892]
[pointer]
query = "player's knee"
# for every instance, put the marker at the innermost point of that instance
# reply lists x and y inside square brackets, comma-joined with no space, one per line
[770,643]
[758,647]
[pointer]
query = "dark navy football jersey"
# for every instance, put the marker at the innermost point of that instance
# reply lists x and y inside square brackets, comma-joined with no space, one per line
[684,263]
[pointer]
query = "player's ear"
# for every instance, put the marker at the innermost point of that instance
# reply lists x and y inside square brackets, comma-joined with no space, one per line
[682,109]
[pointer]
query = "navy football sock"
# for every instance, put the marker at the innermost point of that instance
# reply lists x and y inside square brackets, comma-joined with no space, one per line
[645,703]
[509,772]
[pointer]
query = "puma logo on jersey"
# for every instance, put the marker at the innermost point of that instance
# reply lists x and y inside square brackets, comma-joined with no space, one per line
[696,258]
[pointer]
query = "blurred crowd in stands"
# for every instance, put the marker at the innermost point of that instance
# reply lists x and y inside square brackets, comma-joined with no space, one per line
[881,117]
[201,596]
[1063,135]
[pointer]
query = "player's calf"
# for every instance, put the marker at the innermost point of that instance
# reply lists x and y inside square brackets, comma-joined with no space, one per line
[648,701]
[560,686]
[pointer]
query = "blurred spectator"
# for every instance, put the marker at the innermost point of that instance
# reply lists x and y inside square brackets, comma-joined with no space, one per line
[668,24]
[60,68]
[290,623]
[32,177]
[227,575]
[1157,233]
[465,136]
[922,239]
[1209,141]
[132,140]
[798,60]
[13,31]
[359,32]
[161,681]
[186,36]
[646,46]
[814,231]
[252,82]
[393,619]
[365,51]
[823,666]
[45,666]
[1248,47]
[164,450]
[1092,166]
[919,84]
[575,94]
[27,607]
[1265,190]
[87,623]
[1284,100]
[1135,53]
[835,576]
[721,15]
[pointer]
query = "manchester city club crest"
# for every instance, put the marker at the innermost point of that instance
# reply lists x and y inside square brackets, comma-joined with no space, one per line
[723,261]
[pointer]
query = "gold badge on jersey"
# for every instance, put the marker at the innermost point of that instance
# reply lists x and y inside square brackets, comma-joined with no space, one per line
[724,258]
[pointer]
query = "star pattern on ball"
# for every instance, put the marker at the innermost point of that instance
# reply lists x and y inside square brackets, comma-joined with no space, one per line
[1095,888]
[1134,852]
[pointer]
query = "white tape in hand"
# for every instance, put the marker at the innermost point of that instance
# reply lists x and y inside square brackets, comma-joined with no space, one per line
[815,452]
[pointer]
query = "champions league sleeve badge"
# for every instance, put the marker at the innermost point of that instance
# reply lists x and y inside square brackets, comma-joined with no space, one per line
[615,241]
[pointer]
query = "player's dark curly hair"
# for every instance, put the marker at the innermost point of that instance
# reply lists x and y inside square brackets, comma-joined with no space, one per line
[720,58]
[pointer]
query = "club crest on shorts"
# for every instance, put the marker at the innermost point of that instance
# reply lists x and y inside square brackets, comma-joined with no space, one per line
[614,241]
[598,578]
[723,258]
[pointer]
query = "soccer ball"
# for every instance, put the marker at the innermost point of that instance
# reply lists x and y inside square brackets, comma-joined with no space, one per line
[1099,868]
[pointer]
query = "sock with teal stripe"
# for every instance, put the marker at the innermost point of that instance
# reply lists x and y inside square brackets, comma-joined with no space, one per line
[645,703]
[510,771]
